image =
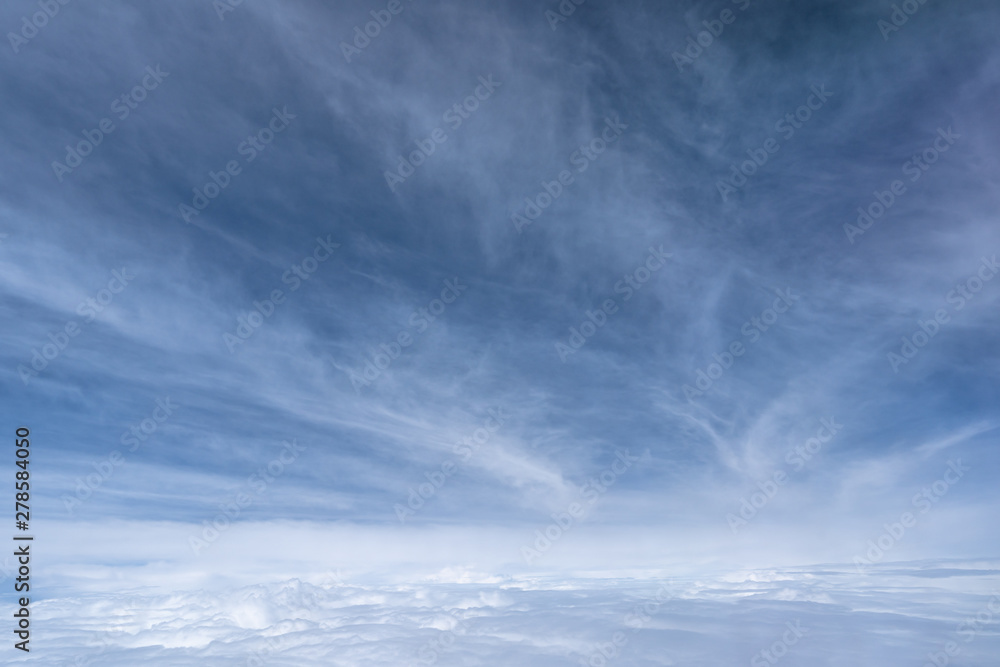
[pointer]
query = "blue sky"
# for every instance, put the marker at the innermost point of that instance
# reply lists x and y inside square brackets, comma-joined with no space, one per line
[618,280]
